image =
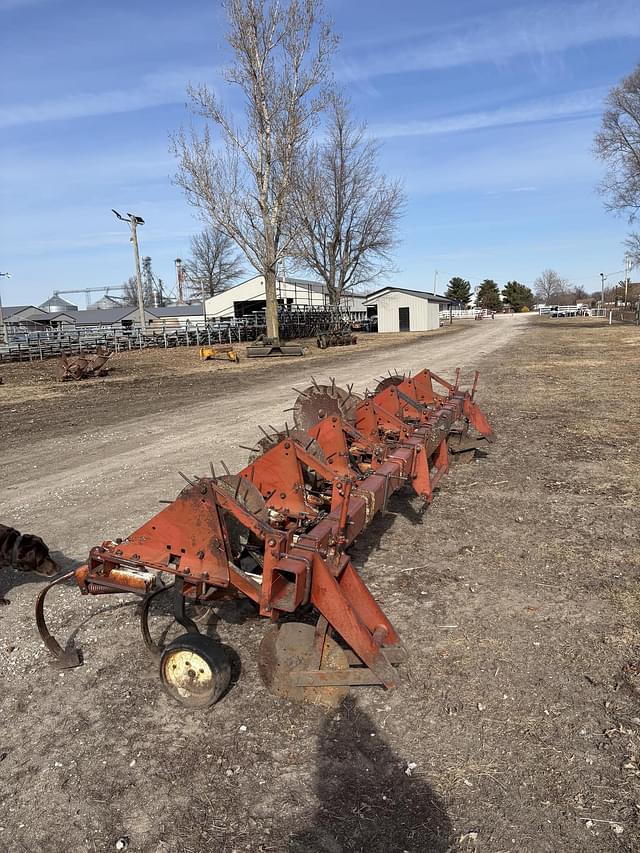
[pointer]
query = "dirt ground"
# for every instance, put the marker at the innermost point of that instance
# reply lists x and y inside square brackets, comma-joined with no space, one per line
[517,594]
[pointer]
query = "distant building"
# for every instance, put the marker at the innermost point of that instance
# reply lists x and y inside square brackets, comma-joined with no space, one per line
[28,318]
[249,298]
[402,310]
[105,302]
[56,303]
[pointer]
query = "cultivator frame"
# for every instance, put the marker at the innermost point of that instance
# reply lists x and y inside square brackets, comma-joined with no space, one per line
[277,532]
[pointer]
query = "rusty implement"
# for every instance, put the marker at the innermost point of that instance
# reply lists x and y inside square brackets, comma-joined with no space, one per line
[264,347]
[219,351]
[278,533]
[336,338]
[76,367]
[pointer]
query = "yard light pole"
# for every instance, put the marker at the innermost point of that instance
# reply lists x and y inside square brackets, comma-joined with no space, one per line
[3,334]
[134,221]
[602,276]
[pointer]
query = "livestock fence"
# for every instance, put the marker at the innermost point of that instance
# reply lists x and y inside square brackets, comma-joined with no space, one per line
[49,343]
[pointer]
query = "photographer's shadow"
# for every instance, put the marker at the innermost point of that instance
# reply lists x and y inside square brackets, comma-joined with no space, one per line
[368,803]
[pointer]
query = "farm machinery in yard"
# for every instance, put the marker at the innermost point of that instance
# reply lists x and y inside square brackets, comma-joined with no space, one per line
[278,532]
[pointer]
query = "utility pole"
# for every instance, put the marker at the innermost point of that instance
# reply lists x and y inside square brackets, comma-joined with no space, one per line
[179,281]
[627,274]
[3,331]
[602,277]
[134,221]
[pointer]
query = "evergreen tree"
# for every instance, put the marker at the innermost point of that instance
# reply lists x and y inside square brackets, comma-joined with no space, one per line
[459,289]
[489,296]
[518,295]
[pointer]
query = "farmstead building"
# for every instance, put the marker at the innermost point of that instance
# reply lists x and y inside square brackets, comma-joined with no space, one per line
[401,310]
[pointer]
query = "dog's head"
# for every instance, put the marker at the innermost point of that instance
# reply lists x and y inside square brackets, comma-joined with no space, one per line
[33,556]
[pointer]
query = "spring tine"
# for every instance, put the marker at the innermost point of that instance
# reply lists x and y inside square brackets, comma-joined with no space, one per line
[315,384]
[275,431]
[286,429]
[213,473]
[165,502]
[184,477]
[237,489]
[264,432]
[252,449]
[292,409]
[227,471]
[333,386]
[301,393]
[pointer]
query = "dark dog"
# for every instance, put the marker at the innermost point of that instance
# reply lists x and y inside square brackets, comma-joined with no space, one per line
[26,553]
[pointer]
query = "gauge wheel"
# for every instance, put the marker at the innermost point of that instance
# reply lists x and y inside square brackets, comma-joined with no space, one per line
[194,670]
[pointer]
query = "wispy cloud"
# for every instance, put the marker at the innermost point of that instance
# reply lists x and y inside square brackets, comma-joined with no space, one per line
[162,87]
[585,102]
[499,38]
[10,5]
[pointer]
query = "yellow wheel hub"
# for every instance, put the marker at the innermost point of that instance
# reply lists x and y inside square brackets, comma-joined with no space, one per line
[187,674]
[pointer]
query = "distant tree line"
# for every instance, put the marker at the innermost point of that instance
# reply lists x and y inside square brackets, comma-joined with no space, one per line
[549,288]
[514,295]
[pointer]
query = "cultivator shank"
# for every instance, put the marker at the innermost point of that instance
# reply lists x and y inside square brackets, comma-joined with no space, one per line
[278,532]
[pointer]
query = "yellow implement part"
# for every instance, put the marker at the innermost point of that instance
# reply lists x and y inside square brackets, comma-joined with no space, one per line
[211,352]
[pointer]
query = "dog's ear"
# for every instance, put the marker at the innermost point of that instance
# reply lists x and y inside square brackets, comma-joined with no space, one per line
[31,553]
[29,557]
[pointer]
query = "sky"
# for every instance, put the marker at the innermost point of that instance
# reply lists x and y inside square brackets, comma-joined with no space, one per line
[486,109]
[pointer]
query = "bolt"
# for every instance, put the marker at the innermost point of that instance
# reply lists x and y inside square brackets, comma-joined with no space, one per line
[186,571]
[287,445]
[203,490]
[205,576]
[200,555]
[283,495]
[271,543]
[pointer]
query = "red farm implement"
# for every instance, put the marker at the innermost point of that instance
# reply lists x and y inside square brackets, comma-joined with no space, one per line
[278,532]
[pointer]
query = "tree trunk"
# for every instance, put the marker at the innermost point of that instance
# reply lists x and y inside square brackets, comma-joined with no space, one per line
[271,298]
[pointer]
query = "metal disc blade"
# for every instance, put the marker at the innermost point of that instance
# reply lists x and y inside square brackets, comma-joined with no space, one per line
[397,379]
[249,497]
[319,402]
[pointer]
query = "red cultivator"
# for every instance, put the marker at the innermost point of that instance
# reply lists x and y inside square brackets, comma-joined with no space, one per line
[278,532]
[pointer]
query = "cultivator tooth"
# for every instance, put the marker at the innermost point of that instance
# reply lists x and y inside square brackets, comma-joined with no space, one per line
[277,532]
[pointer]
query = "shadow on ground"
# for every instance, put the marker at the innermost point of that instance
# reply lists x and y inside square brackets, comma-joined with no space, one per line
[367,800]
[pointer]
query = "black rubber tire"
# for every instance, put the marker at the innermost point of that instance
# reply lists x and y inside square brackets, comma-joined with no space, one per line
[187,686]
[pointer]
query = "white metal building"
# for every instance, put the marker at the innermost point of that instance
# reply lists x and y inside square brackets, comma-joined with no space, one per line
[249,296]
[401,310]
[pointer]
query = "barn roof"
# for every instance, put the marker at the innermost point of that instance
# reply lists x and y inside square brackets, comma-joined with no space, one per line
[422,294]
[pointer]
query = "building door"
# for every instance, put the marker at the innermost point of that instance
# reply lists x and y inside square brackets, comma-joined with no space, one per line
[403,317]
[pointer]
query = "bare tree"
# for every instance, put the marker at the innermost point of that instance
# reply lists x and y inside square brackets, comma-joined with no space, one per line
[130,292]
[214,263]
[347,211]
[617,143]
[633,249]
[243,186]
[550,287]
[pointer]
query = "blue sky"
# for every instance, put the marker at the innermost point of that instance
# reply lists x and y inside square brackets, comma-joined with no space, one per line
[486,109]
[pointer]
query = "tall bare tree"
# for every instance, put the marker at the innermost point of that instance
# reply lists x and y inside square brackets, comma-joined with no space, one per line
[214,263]
[550,287]
[347,211]
[633,249]
[130,292]
[617,143]
[243,185]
